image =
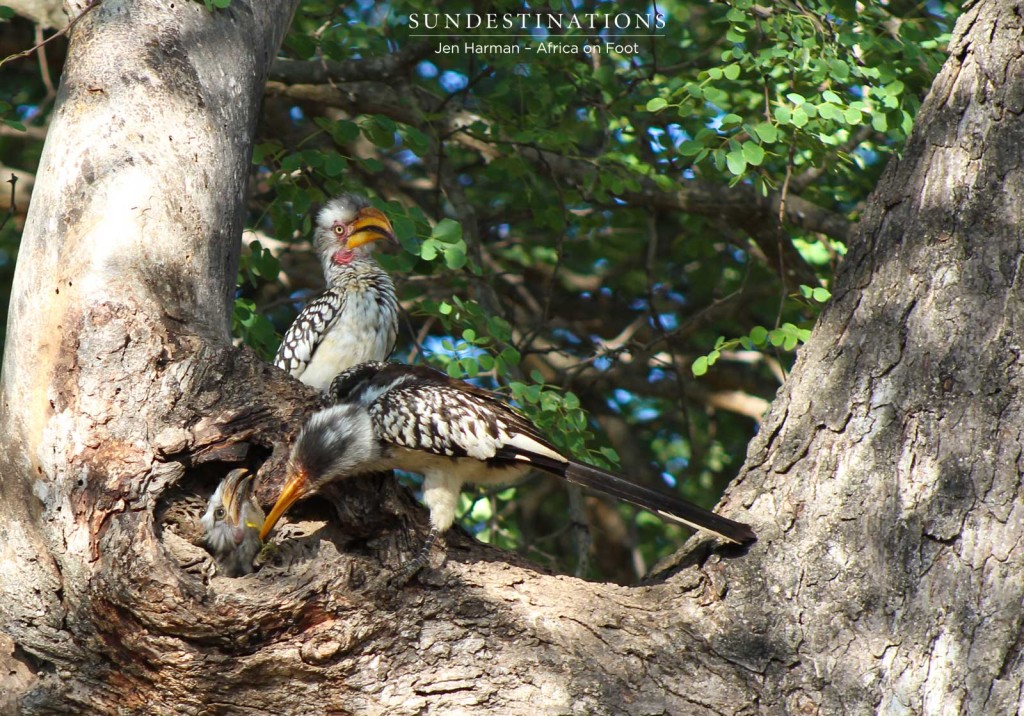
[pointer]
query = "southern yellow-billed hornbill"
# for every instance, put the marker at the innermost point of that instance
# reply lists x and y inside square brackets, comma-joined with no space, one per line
[390,416]
[232,523]
[356,318]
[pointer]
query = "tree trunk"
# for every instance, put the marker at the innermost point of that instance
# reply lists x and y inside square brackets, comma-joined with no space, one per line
[883,484]
[886,479]
[118,357]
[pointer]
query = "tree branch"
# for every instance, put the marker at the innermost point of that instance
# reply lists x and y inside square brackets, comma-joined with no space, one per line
[328,72]
[740,205]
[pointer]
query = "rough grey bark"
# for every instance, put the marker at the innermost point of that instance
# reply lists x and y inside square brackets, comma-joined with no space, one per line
[887,477]
[884,483]
[118,331]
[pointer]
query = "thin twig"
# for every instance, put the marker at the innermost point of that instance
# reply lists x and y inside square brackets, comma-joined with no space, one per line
[54,36]
[44,68]
[13,181]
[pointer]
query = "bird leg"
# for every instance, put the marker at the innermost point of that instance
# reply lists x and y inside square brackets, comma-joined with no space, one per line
[409,569]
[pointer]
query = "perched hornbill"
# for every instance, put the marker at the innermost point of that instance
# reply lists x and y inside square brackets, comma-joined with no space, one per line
[231,524]
[356,318]
[390,416]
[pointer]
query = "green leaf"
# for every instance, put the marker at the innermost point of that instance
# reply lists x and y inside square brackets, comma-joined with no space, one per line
[736,36]
[381,131]
[758,335]
[690,148]
[820,294]
[447,231]
[429,250]
[656,104]
[766,132]
[499,328]
[839,69]
[455,257]
[907,122]
[700,366]
[753,153]
[344,131]
[291,163]
[263,150]
[510,356]
[417,141]
[334,165]
[371,165]
[828,111]
[736,162]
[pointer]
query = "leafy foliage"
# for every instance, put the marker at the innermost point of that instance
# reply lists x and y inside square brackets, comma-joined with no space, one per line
[583,230]
[550,272]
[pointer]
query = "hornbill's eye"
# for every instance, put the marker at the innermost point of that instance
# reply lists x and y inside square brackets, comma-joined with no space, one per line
[219,513]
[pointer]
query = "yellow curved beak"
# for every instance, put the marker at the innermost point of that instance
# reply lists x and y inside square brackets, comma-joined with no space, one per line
[237,490]
[293,490]
[370,225]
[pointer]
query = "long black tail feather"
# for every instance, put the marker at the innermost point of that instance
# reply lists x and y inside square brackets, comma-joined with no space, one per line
[666,506]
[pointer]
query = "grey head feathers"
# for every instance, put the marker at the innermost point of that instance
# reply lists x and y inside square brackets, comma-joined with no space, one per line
[336,442]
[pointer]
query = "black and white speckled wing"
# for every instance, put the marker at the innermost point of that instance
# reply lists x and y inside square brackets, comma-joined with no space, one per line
[307,331]
[421,409]
[444,417]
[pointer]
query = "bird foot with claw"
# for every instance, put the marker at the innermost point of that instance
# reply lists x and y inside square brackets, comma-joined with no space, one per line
[392,584]
[405,573]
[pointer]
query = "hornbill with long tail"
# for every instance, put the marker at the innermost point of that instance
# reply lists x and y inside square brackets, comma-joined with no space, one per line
[414,418]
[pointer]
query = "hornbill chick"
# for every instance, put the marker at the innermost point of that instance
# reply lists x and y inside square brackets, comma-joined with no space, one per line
[356,318]
[414,418]
[231,524]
